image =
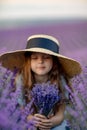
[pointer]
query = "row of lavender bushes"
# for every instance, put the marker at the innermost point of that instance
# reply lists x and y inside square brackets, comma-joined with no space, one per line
[14,119]
[12,114]
[77,110]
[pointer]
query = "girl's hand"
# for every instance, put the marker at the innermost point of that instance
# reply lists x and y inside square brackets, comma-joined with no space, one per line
[41,122]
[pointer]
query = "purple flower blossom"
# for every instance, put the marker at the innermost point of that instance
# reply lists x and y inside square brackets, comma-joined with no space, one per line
[45,96]
[77,110]
[12,107]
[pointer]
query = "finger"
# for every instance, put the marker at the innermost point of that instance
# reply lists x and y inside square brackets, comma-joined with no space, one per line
[50,115]
[44,128]
[45,125]
[40,116]
[46,121]
[39,123]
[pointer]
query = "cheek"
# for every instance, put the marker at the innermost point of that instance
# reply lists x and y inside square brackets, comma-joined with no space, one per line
[50,65]
[32,66]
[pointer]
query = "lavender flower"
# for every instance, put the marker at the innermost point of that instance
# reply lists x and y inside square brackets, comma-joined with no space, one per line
[45,96]
[12,105]
[77,110]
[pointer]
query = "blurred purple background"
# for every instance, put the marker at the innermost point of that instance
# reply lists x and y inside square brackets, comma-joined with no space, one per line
[72,36]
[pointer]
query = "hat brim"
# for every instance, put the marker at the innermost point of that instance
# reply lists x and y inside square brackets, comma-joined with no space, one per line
[16,59]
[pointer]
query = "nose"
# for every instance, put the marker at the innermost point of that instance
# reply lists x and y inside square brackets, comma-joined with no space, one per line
[40,60]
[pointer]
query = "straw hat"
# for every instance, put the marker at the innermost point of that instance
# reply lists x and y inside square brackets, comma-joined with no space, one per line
[44,44]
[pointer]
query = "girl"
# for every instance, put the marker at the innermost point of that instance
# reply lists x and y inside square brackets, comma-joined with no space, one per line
[41,62]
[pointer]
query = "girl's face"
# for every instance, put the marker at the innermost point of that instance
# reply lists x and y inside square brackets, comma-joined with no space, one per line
[41,63]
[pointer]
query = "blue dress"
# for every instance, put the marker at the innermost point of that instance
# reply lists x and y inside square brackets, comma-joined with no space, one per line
[62,126]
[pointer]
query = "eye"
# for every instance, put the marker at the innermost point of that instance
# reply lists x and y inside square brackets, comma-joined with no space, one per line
[33,57]
[47,57]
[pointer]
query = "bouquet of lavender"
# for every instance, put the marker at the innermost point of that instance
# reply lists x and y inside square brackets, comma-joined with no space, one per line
[45,97]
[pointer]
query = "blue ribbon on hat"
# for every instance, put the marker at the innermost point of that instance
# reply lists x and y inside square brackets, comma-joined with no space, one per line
[43,43]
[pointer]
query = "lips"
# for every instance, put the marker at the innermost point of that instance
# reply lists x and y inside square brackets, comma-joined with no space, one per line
[41,67]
